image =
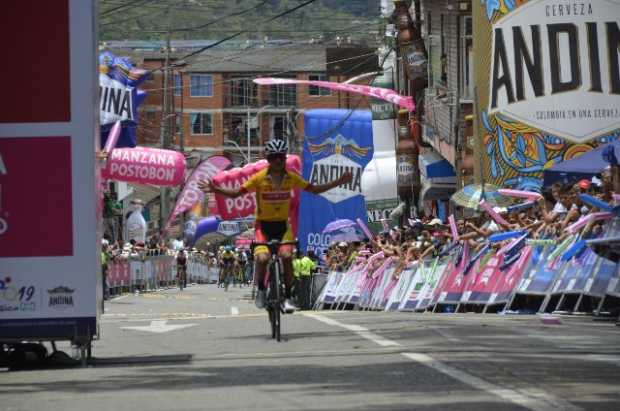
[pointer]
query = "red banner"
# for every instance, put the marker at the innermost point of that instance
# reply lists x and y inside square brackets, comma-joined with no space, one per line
[35,197]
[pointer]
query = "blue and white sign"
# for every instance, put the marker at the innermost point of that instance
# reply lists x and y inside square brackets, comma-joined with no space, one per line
[119,97]
[336,141]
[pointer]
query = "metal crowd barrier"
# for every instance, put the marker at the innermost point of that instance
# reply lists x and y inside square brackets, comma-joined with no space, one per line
[537,279]
[154,272]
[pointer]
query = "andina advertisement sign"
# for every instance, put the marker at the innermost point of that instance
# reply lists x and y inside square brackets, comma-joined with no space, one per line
[549,83]
[337,141]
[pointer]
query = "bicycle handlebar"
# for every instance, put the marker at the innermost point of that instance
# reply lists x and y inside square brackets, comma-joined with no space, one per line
[273,243]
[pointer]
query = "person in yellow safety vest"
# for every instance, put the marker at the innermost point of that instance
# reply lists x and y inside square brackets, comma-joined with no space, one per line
[297,265]
[303,268]
[306,266]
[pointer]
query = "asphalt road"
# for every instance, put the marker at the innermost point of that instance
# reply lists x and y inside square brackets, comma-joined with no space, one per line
[204,348]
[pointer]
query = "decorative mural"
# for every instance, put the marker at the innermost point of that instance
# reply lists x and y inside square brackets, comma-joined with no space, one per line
[496,9]
[517,154]
[539,106]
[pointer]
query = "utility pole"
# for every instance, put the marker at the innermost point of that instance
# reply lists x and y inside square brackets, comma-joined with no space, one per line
[249,134]
[164,136]
[182,140]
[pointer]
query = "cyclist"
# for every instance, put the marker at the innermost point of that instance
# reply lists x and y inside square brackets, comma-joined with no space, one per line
[227,265]
[273,186]
[182,268]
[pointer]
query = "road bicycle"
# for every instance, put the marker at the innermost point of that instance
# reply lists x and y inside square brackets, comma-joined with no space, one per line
[228,273]
[276,291]
[182,277]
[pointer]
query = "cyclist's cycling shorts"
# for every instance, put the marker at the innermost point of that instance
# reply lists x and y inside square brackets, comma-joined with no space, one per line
[264,231]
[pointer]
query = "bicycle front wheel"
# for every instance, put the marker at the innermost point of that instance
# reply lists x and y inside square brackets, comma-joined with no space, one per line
[276,298]
[272,320]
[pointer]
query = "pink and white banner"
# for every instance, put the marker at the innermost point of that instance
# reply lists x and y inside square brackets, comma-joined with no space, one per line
[377,92]
[191,194]
[144,165]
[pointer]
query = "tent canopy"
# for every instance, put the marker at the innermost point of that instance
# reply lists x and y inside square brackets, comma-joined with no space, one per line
[584,166]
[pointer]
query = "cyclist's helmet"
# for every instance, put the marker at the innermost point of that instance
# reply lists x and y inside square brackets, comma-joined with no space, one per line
[276,147]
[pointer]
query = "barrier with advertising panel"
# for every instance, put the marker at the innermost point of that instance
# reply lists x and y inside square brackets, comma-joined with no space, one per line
[493,280]
[154,272]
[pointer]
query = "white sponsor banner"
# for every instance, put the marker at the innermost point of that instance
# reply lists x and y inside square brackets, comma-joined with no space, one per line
[399,292]
[555,67]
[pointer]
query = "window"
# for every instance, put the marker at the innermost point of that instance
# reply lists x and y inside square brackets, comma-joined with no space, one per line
[467,59]
[278,128]
[242,92]
[178,121]
[178,84]
[429,24]
[151,118]
[201,123]
[437,58]
[318,91]
[444,56]
[283,95]
[201,85]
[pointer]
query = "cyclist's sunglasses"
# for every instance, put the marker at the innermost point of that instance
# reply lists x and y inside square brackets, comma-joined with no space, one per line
[273,157]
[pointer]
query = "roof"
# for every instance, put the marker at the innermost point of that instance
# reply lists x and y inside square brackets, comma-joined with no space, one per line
[267,60]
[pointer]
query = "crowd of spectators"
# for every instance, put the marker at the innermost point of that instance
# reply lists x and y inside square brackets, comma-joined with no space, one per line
[427,236]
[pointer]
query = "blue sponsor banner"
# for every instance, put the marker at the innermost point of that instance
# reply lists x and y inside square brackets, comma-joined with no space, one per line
[543,275]
[119,97]
[335,141]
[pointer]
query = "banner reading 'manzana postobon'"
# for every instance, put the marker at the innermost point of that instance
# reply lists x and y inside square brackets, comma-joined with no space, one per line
[548,83]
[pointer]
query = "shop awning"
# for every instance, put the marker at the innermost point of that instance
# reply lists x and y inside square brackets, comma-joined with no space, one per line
[437,191]
[436,168]
[379,179]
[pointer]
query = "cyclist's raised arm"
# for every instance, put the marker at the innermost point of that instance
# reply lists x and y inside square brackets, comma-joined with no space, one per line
[320,188]
[208,187]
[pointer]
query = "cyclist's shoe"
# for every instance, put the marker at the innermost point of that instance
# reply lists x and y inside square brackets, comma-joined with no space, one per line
[260,299]
[289,306]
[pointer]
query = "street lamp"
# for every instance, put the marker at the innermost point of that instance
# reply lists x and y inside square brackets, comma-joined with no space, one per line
[249,133]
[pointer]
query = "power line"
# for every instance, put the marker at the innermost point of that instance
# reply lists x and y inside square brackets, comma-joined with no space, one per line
[369,55]
[133,3]
[244,31]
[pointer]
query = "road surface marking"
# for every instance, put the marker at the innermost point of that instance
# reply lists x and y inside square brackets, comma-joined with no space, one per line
[158,326]
[359,330]
[234,311]
[533,399]
[124,318]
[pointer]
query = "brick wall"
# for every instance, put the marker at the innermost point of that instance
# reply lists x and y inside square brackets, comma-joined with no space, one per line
[149,131]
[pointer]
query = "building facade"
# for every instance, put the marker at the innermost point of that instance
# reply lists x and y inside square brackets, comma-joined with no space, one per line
[444,108]
[214,107]
[209,104]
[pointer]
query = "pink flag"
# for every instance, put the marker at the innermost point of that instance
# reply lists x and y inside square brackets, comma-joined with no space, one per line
[377,92]
[113,135]
[191,193]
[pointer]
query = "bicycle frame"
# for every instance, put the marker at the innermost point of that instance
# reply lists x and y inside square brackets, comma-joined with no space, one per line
[274,285]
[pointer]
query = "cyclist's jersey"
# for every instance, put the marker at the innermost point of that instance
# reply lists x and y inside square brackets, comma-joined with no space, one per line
[272,203]
[227,257]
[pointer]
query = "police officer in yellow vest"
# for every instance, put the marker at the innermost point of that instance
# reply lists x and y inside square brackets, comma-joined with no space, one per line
[302,270]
